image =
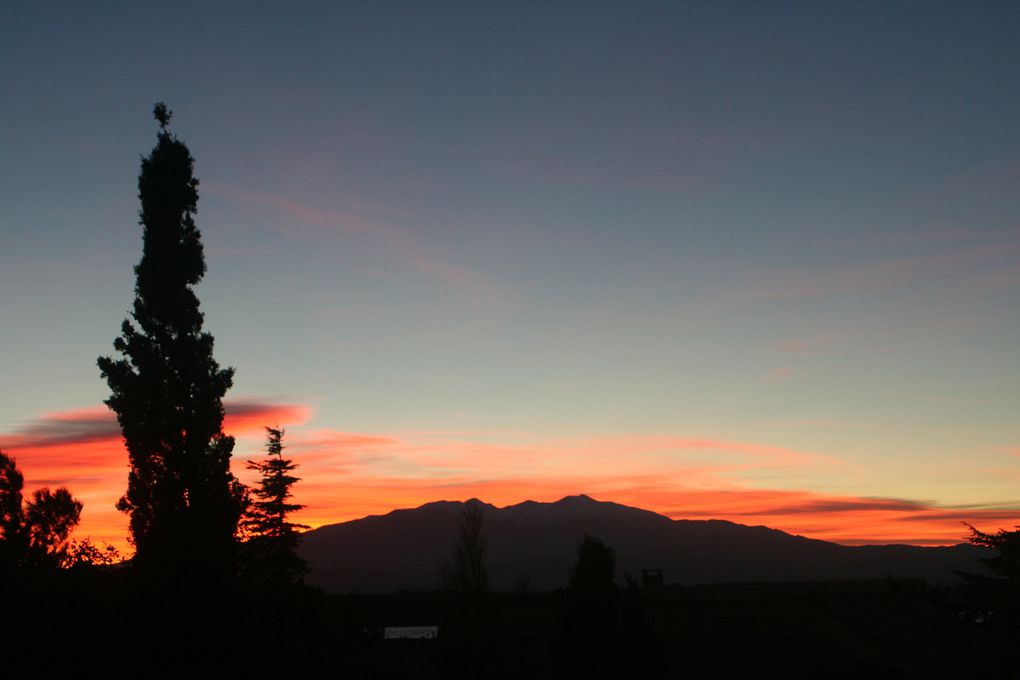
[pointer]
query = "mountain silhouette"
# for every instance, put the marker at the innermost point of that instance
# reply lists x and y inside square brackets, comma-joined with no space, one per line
[532,545]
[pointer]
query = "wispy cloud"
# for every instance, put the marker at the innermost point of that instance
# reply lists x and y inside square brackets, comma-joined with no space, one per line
[402,244]
[843,519]
[330,221]
[682,477]
[99,424]
[851,520]
[252,414]
[973,265]
[80,426]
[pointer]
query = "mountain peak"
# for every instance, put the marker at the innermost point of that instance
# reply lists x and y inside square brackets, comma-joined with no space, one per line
[579,499]
[452,505]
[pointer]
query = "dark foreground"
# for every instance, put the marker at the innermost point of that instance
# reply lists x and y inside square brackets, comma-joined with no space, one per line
[101,622]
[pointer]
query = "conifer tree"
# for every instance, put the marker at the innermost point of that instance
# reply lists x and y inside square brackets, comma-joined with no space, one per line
[999,593]
[273,537]
[167,389]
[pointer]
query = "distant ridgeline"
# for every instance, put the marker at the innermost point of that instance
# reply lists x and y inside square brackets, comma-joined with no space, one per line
[532,545]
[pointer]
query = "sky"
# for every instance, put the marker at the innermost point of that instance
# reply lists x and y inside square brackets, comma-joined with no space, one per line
[748,261]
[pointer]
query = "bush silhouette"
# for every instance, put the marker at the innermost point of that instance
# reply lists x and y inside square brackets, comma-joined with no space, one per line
[33,534]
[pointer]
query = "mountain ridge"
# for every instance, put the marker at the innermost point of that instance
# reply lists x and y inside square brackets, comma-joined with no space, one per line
[532,545]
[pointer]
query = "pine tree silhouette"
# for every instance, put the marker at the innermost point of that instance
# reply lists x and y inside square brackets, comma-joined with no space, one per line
[273,541]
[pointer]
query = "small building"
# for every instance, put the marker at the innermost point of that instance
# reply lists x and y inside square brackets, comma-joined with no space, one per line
[410,632]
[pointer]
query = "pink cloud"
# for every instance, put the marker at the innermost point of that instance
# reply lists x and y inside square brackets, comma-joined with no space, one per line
[331,220]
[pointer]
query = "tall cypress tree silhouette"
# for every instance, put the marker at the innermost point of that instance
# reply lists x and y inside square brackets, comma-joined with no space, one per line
[167,390]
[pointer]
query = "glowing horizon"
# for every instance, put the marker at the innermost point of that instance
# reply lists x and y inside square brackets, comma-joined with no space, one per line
[348,475]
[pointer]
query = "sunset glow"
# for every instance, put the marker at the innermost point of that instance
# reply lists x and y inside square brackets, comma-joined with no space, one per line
[350,475]
[718,261]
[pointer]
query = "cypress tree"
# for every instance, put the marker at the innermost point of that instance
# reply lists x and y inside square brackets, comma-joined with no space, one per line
[167,390]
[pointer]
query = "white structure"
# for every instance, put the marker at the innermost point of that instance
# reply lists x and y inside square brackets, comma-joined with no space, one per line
[410,632]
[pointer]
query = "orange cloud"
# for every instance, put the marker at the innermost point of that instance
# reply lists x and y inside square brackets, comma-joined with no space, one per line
[346,475]
[843,519]
[82,449]
[683,478]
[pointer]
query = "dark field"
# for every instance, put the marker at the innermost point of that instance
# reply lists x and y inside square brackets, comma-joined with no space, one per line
[862,629]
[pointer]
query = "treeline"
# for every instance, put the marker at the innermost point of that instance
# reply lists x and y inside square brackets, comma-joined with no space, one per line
[599,630]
